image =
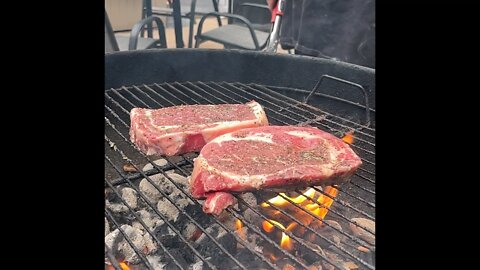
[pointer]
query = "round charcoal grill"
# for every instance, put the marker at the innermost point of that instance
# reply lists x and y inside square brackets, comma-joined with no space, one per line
[170,231]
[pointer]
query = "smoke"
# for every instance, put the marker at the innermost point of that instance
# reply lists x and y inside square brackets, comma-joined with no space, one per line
[339,29]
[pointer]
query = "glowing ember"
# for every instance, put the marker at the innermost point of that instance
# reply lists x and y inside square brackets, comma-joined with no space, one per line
[280,201]
[291,226]
[288,267]
[273,257]
[238,224]
[123,265]
[348,138]
[363,249]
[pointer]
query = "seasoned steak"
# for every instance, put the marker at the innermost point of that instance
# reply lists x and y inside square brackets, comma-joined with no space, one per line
[272,157]
[181,129]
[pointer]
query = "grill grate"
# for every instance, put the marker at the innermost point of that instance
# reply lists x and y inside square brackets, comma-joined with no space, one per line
[356,197]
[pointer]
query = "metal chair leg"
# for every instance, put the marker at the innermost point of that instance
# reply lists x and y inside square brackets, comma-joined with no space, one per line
[192,22]
[215,7]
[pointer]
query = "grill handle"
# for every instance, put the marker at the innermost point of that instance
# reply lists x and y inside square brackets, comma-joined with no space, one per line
[356,85]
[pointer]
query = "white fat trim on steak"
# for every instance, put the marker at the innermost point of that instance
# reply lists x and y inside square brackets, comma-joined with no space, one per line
[302,134]
[164,127]
[257,110]
[259,137]
[133,112]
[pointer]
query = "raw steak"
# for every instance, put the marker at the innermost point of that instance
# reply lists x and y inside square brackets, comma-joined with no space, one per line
[181,129]
[271,157]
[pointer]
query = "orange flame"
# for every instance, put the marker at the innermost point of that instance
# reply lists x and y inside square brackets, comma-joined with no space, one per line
[319,208]
[273,257]
[285,242]
[240,230]
[280,201]
[324,203]
[123,265]
[348,138]
[267,226]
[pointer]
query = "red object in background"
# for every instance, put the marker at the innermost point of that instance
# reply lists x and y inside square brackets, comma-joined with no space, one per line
[276,10]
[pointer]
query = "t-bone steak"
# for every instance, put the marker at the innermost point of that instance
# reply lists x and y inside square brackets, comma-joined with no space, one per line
[270,157]
[187,128]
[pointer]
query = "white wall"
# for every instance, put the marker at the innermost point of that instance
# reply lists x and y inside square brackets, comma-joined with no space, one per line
[123,14]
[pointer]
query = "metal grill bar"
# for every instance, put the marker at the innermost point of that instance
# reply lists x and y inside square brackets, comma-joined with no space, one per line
[300,115]
[342,202]
[245,244]
[266,238]
[283,122]
[173,228]
[299,240]
[268,109]
[339,201]
[362,188]
[178,91]
[358,86]
[112,258]
[180,210]
[298,103]
[324,238]
[224,101]
[369,172]
[148,92]
[140,220]
[359,211]
[287,116]
[140,255]
[370,204]
[238,101]
[249,225]
[259,98]
[156,93]
[137,176]
[218,222]
[331,210]
[306,92]
[184,102]
[319,235]
[363,178]
[263,235]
